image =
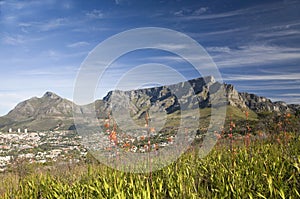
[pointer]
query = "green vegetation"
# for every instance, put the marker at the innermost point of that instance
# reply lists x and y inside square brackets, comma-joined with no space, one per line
[238,167]
[235,113]
[252,159]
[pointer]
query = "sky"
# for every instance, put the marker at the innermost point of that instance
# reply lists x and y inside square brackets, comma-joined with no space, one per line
[254,44]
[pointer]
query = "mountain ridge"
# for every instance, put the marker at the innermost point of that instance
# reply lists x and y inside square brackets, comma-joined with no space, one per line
[52,112]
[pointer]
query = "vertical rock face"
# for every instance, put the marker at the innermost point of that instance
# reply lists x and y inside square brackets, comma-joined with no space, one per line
[185,95]
[260,104]
[234,97]
[255,102]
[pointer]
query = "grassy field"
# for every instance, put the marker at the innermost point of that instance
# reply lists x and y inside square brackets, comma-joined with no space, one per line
[265,166]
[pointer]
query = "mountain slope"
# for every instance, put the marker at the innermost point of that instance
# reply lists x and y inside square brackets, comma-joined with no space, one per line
[47,112]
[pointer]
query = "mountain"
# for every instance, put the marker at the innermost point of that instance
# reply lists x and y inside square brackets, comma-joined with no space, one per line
[48,112]
[257,103]
[52,112]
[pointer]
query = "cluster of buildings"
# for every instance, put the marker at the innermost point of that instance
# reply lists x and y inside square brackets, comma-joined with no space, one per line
[136,141]
[39,147]
[49,146]
[10,130]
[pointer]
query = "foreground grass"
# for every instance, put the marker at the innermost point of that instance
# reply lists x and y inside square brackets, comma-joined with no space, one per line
[268,168]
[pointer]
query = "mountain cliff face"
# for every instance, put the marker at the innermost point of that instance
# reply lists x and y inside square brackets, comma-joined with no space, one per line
[256,103]
[194,93]
[53,112]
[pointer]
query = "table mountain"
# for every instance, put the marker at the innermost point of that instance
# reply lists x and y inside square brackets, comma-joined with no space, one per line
[52,112]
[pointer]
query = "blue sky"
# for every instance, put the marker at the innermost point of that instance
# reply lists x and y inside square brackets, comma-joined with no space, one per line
[255,44]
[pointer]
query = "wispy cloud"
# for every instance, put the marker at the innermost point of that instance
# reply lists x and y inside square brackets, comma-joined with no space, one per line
[294,76]
[120,2]
[13,40]
[290,95]
[49,71]
[215,35]
[280,33]
[204,15]
[201,10]
[19,5]
[78,44]
[190,12]
[17,40]
[16,4]
[60,55]
[252,55]
[213,16]
[53,24]
[222,49]
[263,87]
[43,26]
[95,14]
[171,46]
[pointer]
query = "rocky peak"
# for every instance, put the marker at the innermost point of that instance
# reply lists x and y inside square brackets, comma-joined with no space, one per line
[234,98]
[50,95]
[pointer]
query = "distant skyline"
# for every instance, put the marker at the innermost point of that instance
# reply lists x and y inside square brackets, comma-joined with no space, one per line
[255,44]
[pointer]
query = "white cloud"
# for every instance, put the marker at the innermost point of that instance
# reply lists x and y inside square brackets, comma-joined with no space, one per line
[290,95]
[253,55]
[214,16]
[19,5]
[203,35]
[67,5]
[20,39]
[293,76]
[53,24]
[179,13]
[13,40]
[50,24]
[280,33]
[254,10]
[78,44]
[172,46]
[59,55]
[22,24]
[224,49]
[57,71]
[190,12]
[200,10]
[263,87]
[96,14]
[119,2]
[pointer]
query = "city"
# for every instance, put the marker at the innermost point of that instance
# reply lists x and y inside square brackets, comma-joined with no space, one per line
[39,147]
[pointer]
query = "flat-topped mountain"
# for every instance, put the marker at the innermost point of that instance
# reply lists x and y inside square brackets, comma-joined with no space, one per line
[52,112]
